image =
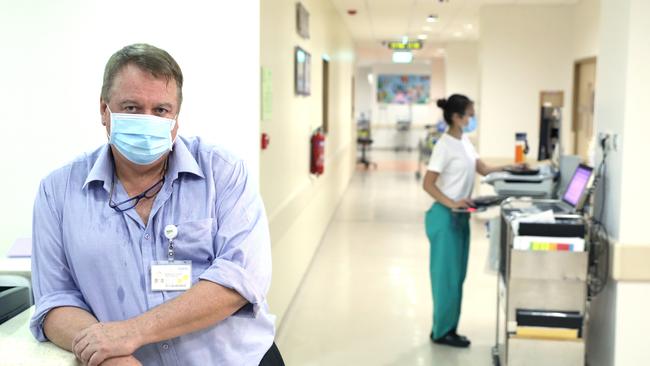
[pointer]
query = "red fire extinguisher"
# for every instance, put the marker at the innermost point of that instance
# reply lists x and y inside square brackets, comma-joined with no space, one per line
[317,152]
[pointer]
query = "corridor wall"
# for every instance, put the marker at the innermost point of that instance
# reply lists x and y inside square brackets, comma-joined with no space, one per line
[300,205]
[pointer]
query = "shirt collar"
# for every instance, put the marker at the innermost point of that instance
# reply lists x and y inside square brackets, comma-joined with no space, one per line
[180,161]
[102,169]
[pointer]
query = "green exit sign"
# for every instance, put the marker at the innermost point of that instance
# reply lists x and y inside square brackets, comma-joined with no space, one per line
[408,46]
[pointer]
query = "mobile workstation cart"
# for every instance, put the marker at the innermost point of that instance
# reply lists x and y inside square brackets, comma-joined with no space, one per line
[541,279]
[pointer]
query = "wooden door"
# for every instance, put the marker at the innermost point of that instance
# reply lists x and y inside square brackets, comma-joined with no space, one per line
[583,106]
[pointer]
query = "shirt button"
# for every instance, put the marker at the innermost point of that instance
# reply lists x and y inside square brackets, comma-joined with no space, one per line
[165,346]
[147,236]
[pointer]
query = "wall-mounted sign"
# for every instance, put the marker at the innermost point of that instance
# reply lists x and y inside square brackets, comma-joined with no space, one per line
[411,45]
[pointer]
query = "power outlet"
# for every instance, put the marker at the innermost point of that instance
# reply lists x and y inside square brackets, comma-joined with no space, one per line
[612,142]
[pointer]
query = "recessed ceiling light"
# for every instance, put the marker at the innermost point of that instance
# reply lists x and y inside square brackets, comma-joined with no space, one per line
[427,28]
[469,26]
[432,18]
[401,57]
[422,37]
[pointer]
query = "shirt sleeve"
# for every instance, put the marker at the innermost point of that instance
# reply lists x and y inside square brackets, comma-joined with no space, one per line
[438,158]
[52,280]
[243,262]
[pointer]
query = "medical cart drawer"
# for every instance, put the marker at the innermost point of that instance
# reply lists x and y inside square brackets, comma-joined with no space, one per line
[545,352]
[560,295]
[548,265]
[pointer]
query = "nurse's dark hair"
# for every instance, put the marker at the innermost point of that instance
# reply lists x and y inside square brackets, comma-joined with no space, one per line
[456,103]
[147,58]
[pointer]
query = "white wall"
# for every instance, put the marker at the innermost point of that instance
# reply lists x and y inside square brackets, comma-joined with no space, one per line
[586,28]
[300,205]
[364,91]
[522,51]
[53,55]
[462,69]
[621,94]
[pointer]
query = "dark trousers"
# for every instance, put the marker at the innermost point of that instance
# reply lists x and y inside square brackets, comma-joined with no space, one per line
[272,357]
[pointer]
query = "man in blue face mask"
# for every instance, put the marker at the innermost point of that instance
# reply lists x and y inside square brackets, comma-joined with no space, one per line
[154,248]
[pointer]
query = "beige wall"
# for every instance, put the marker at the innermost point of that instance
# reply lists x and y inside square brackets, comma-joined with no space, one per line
[300,205]
[515,66]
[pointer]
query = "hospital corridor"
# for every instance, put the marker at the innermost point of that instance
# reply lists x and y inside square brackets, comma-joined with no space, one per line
[370,276]
[324,183]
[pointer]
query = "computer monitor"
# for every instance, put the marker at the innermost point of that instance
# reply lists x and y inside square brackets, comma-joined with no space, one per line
[576,190]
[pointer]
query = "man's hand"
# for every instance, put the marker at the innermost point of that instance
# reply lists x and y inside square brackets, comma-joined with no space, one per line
[122,361]
[102,341]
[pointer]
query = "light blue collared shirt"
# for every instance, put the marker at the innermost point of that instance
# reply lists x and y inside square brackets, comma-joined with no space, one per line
[87,255]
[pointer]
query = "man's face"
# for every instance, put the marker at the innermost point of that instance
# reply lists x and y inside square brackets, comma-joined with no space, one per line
[137,91]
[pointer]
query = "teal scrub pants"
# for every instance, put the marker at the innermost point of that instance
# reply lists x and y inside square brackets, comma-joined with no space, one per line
[448,234]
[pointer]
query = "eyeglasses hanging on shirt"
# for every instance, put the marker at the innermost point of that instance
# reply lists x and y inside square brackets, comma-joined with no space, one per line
[148,193]
[128,204]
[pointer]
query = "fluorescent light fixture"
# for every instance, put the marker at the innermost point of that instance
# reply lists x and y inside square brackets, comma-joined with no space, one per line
[402,57]
[422,37]
[432,18]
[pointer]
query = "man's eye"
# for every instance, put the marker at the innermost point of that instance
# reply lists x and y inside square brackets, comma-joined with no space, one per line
[161,111]
[130,109]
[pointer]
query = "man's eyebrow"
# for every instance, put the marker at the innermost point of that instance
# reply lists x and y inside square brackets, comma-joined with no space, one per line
[129,101]
[166,105]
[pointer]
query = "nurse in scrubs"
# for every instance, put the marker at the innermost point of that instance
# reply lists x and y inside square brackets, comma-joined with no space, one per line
[450,181]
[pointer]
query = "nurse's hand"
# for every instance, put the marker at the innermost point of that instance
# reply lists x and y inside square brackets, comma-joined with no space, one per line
[462,203]
[122,361]
[102,341]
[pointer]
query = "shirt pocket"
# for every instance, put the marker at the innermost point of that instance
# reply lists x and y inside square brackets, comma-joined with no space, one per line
[195,242]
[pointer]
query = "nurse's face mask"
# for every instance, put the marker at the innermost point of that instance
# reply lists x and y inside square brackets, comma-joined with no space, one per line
[141,138]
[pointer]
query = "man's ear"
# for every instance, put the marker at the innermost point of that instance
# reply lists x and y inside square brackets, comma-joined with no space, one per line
[103,111]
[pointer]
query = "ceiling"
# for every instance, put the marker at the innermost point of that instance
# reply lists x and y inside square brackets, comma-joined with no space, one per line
[390,20]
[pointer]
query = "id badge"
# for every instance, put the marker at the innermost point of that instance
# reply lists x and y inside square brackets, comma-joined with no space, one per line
[171,275]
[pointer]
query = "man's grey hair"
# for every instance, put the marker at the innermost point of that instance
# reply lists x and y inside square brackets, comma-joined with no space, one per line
[147,58]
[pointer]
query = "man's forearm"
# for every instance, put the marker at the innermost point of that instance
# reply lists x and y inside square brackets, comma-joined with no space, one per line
[204,305]
[62,324]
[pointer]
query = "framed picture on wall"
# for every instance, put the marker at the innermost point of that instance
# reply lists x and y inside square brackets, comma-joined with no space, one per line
[302,21]
[302,60]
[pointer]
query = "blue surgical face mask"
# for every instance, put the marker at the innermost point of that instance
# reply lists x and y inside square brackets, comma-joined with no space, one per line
[471,125]
[141,138]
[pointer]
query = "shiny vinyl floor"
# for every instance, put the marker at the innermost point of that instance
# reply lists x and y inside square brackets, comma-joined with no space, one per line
[366,298]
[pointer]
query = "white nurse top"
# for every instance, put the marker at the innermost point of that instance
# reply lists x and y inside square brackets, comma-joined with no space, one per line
[455,161]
